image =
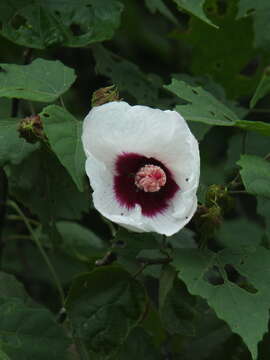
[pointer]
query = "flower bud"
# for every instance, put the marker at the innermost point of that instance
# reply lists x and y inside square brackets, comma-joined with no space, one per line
[105,95]
[208,220]
[218,195]
[31,129]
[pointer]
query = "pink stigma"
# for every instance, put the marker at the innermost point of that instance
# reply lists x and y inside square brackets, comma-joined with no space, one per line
[150,178]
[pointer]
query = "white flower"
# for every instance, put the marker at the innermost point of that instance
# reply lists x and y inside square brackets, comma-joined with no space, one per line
[143,165]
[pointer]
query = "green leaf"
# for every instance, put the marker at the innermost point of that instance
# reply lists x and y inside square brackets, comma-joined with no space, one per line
[255,173]
[226,64]
[5,107]
[165,284]
[263,87]
[176,307]
[257,126]
[126,76]
[11,287]
[158,5]
[79,242]
[42,80]
[3,356]
[183,239]
[211,340]
[243,304]
[13,149]
[152,324]
[139,345]
[260,12]
[263,209]
[55,195]
[28,332]
[194,7]
[255,145]
[208,84]
[104,306]
[202,106]
[240,234]
[35,271]
[64,135]
[132,245]
[39,24]
[199,130]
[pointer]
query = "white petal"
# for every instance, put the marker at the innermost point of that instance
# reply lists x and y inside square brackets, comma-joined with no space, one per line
[171,221]
[101,180]
[115,128]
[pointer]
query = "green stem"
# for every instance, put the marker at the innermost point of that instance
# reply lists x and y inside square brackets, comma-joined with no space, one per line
[235,182]
[237,192]
[260,110]
[62,102]
[42,251]
[19,237]
[19,218]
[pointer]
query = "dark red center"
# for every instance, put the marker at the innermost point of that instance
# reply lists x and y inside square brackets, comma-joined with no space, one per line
[128,194]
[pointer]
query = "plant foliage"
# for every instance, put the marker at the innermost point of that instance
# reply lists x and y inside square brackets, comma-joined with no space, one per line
[74,286]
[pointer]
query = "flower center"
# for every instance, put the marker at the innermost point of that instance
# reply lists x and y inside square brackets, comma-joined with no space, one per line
[150,178]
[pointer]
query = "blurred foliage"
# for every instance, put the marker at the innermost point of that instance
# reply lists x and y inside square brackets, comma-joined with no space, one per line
[75,286]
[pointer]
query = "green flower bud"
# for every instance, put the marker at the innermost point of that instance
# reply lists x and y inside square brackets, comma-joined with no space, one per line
[218,195]
[105,95]
[31,129]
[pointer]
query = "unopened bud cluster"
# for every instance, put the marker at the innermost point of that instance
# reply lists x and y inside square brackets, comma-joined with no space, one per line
[31,129]
[218,202]
[105,95]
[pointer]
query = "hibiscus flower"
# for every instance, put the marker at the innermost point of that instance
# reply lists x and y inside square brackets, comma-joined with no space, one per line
[143,165]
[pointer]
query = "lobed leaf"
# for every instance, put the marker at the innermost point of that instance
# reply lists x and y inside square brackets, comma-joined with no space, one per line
[104,306]
[64,135]
[233,64]
[27,331]
[42,80]
[176,307]
[243,305]
[260,12]
[126,76]
[79,242]
[55,195]
[30,332]
[158,5]
[260,127]
[13,149]
[263,87]
[39,24]
[139,345]
[194,7]
[201,106]
[255,173]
